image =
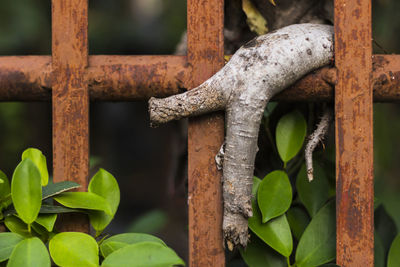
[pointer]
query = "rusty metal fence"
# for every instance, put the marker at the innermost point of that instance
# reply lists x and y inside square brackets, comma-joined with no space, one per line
[70,78]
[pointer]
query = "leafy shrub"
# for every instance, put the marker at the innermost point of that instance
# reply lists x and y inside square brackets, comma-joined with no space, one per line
[28,212]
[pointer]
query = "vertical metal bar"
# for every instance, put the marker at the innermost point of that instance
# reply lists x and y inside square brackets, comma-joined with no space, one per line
[206,134]
[354,144]
[70,98]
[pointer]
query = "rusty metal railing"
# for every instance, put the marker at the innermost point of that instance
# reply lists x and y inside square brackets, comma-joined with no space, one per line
[70,77]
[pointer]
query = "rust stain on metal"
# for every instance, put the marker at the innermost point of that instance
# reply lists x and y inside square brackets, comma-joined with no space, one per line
[122,78]
[206,134]
[354,142]
[128,78]
[25,78]
[386,77]
[70,99]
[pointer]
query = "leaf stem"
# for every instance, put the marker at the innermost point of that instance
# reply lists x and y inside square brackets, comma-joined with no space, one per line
[29,228]
[288,262]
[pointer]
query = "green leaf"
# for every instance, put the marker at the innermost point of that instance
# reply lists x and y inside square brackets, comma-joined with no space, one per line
[313,194]
[146,254]
[298,220]
[83,200]
[379,252]
[258,254]
[40,231]
[385,227]
[394,253]
[318,242]
[30,252]
[271,106]
[276,233]
[116,242]
[290,134]
[49,209]
[26,190]
[17,226]
[255,19]
[274,195]
[150,222]
[256,185]
[70,249]
[47,221]
[4,186]
[104,185]
[53,189]
[40,161]
[5,192]
[7,243]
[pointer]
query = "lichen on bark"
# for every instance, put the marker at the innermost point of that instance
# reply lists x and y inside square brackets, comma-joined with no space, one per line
[256,72]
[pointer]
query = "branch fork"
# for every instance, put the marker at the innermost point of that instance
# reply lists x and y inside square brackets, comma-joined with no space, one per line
[256,72]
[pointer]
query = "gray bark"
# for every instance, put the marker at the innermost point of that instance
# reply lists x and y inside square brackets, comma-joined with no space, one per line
[257,71]
[314,139]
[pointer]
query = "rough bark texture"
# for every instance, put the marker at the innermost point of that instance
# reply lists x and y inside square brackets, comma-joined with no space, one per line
[257,71]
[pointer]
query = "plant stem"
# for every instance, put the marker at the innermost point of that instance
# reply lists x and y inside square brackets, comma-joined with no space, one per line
[29,228]
[288,262]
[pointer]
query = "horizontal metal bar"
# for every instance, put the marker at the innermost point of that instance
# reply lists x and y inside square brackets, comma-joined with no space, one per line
[133,78]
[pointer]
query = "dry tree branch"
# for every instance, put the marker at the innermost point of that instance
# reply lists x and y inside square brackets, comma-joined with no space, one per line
[257,71]
[313,140]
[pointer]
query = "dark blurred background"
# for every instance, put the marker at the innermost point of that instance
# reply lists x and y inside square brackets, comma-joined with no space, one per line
[121,141]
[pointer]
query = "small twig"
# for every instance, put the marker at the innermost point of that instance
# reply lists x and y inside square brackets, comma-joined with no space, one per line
[317,136]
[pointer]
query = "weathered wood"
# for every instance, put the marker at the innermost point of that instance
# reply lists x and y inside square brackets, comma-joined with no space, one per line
[206,135]
[354,142]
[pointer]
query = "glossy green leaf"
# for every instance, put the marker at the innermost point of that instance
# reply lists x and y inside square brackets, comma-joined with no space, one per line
[83,200]
[71,249]
[274,195]
[40,161]
[394,253]
[379,252]
[26,190]
[276,233]
[116,242]
[312,194]
[52,189]
[290,135]
[258,254]
[17,226]
[150,222]
[104,185]
[30,252]
[144,254]
[298,220]
[7,243]
[47,221]
[49,209]
[318,242]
